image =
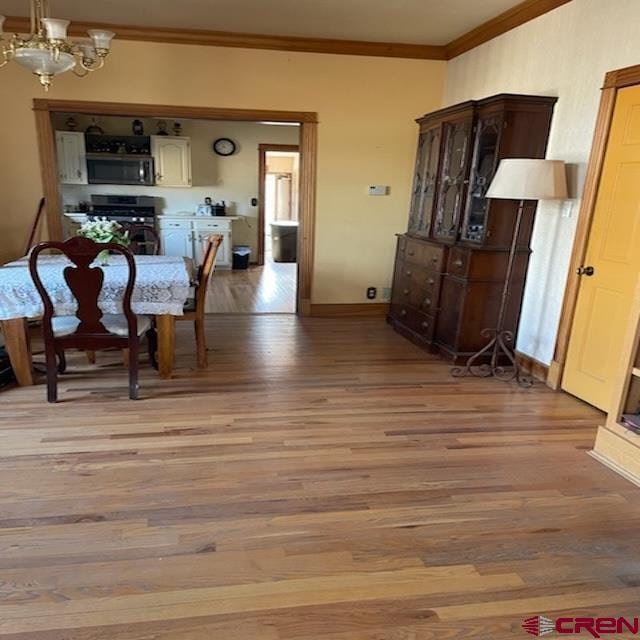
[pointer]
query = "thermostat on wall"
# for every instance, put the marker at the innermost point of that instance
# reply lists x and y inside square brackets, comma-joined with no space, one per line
[378,190]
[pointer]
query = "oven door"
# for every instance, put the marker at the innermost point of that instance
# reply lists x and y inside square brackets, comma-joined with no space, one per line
[119,170]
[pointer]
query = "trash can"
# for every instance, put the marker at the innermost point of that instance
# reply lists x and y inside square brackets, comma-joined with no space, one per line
[240,256]
[284,240]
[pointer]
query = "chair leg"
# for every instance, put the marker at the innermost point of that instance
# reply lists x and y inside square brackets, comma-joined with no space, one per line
[126,358]
[201,343]
[52,375]
[91,357]
[62,361]
[134,387]
[152,345]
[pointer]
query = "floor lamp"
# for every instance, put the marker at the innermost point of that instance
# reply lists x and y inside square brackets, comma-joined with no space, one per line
[522,180]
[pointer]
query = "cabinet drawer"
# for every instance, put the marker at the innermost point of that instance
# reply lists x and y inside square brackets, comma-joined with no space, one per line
[459,260]
[420,323]
[174,224]
[424,254]
[212,224]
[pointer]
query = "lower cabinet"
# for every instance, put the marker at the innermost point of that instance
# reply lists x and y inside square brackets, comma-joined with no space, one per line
[444,296]
[186,236]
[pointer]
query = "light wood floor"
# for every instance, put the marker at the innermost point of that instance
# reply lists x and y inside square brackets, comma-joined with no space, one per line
[267,289]
[324,480]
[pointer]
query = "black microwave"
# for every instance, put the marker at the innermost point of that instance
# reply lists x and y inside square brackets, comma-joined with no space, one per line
[120,169]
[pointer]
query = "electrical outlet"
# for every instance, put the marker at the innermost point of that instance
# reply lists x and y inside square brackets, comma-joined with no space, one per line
[385,296]
[372,292]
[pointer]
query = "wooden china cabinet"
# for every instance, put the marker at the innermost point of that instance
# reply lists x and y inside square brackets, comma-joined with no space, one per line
[451,263]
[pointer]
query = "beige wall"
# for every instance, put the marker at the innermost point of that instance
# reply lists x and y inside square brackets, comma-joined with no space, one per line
[366,136]
[232,179]
[564,53]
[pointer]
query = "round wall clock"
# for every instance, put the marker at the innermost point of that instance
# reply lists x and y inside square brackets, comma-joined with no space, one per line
[224,147]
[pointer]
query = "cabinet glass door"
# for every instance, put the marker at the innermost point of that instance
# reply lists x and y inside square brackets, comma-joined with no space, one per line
[452,178]
[424,182]
[415,222]
[483,168]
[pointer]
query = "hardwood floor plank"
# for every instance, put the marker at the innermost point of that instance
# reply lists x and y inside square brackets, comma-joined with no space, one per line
[324,479]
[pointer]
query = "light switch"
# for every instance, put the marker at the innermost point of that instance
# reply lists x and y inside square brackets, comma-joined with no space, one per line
[378,190]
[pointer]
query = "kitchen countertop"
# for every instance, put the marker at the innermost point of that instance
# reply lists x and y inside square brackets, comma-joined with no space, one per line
[173,216]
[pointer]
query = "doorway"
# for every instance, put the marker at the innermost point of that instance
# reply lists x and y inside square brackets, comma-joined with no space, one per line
[609,271]
[307,123]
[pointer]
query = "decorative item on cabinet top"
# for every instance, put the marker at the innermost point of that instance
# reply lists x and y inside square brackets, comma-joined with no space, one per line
[457,242]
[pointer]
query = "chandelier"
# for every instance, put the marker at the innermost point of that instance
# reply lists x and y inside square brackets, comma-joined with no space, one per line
[46,52]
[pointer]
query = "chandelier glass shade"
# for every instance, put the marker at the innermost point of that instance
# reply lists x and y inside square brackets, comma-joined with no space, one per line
[47,51]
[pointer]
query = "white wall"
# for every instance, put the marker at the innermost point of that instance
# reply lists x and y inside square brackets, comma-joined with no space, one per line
[564,53]
[233,179]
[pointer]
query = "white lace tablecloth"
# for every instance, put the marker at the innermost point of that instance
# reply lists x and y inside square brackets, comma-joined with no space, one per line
[162,286]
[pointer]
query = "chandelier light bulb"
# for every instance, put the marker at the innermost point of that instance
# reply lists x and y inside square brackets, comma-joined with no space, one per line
[55,29]
[101,39]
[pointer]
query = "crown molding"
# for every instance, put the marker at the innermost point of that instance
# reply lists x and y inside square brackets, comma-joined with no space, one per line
[514,17]
[510,19]
[249,40]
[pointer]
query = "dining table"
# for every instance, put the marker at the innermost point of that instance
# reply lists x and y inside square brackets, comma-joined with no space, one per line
[162,287]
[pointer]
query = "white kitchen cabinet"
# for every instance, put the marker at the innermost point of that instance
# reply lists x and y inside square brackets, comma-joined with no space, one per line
[176,238]
[185,236]
[204,228]
[172,159]
[72,157]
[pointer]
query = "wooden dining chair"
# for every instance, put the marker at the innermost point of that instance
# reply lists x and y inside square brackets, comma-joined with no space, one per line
[89,328]
[194,309]
[144,240]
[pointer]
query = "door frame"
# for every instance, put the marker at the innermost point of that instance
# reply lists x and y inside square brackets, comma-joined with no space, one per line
[308,148]
[262,174]
[613,82]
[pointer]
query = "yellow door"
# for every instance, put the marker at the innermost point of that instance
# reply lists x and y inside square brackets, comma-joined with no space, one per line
[604,299]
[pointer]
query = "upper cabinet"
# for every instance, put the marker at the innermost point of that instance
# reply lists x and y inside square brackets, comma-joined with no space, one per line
[459,149]
[72,157]
[172,157]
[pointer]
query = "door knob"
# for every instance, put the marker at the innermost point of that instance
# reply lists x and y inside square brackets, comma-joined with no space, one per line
[585,271]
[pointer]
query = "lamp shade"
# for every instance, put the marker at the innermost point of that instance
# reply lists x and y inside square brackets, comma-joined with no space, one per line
[527,179]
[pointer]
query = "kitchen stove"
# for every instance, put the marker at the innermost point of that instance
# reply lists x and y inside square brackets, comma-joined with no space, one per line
[129,209]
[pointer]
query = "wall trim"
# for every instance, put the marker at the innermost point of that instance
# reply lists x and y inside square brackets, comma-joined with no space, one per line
[308,146]
[532,367]
[613,82]
[364,309]
[250,40]
[510,19]
[506,21]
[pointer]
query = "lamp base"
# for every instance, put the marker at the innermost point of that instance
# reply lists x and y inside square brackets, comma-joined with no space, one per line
[498,348]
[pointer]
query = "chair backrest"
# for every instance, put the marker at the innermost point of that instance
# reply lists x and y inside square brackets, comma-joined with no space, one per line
[85,282]
[143,237]
[205,271]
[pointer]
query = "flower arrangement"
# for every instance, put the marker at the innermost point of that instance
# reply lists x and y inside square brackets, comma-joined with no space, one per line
[103,230]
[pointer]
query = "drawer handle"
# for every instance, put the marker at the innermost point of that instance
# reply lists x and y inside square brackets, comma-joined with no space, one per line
[457,263]
[412,253]
[427,302]
[408,273]
[406,292]
[403,312]
[424,325]
[435,259]
[431,281]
